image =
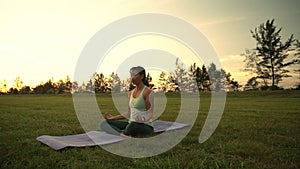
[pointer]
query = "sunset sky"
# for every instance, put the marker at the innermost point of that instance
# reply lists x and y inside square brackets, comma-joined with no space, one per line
[43,39]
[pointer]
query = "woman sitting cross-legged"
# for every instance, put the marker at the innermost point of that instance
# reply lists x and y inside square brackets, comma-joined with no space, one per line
[140,109]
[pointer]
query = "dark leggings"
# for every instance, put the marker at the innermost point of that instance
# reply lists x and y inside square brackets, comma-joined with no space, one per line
[130,129]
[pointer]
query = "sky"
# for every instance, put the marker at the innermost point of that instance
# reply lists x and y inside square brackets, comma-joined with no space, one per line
[44,39]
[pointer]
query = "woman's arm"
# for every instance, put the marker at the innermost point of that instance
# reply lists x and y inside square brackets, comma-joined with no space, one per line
[117,117]
[149,105]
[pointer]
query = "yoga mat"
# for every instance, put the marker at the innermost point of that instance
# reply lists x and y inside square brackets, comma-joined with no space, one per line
[93,138]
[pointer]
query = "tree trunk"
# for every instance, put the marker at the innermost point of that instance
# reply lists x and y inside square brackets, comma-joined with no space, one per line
[273,73]
[272,66]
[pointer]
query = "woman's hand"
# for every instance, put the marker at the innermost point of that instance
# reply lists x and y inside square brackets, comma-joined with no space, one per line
[140,119]
[108,116]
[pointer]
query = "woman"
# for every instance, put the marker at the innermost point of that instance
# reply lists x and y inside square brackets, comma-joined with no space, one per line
[140,109]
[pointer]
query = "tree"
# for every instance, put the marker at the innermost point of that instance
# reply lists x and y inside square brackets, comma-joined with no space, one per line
[99,82]
[162,82]
[201,77]
[13,90]
[25,90]
[82,87]
[3,86]
[149,79]
[68,84]
[297,53]
[172,85]
[297,49]
[89,87]
[115,83]
[184,78]
[204,79]
[197,74]
[252,84]
[217,78]
[231,84]
[127,85]
[47,88]
[75,87]
[60,86]
[268,60]
[38,89]
[18,83]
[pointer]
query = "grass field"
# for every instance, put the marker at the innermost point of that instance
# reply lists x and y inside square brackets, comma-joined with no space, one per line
[257,130]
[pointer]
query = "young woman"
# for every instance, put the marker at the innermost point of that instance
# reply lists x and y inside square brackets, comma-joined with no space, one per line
[140,109]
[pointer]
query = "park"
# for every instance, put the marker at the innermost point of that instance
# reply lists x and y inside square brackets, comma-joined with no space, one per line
[247,59]
[259,129]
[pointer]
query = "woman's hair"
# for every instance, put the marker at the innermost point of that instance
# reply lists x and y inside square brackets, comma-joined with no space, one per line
[141,71]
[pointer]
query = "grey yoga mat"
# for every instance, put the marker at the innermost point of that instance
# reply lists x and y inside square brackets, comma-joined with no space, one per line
[93,138]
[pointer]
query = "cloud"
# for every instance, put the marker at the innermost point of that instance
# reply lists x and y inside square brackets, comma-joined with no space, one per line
[235,65]
[232,62]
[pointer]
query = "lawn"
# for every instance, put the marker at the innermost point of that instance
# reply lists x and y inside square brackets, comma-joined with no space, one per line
[257,130]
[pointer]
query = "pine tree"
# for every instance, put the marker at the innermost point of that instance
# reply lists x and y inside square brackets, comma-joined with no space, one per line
[217,78]
[149,79]
[268,59]
[114,83]
[184,78]
[162,82]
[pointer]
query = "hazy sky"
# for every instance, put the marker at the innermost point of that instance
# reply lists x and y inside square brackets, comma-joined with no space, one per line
[43,39]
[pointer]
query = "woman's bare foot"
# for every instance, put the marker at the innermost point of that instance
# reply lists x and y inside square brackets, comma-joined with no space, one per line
[123,135]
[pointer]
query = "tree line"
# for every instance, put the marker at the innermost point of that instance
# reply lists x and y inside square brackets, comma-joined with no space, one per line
[183,78]
[50,87]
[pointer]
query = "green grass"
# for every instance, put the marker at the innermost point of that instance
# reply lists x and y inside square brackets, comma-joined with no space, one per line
[257,130]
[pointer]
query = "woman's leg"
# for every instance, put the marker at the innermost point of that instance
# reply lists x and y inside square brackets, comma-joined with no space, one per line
[138,129]
[113,126]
